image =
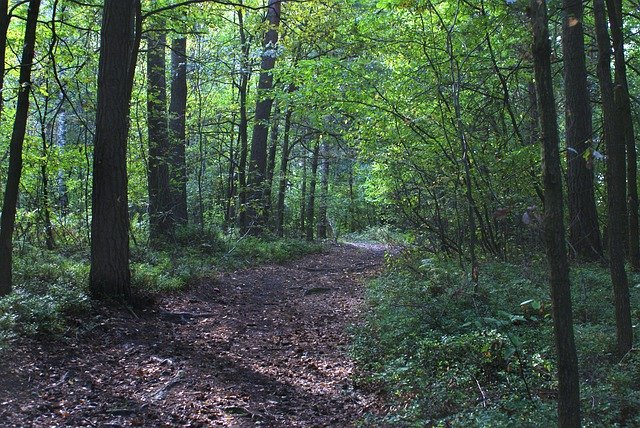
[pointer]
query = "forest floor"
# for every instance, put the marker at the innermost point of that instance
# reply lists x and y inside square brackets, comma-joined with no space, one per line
[265,346]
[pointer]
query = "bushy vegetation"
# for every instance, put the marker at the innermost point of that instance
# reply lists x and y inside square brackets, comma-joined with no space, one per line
[51,287]
[444,355]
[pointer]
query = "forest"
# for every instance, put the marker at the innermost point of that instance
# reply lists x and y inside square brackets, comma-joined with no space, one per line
[319,213]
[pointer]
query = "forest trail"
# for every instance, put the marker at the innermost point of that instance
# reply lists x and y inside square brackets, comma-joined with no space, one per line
[265,346]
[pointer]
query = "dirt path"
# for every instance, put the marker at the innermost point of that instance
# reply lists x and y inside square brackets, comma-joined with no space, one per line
[259,347]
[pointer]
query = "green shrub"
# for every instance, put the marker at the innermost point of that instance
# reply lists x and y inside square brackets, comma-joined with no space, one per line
[446,356]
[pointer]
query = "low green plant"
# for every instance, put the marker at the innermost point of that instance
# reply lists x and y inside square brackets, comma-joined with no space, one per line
[447,355]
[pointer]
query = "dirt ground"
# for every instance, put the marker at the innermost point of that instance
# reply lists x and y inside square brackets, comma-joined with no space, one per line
[265,346]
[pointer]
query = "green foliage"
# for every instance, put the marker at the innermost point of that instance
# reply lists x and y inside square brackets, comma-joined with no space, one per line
[446,356]
[49,292]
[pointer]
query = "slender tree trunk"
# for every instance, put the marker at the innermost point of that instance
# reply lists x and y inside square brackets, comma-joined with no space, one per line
[119,41]
[584,233]
[534,117]
[284,162]
[243,127]
[4,26]
[44,174]
[271,166]
[569,392]
[7,221]
[324,192]
[623,104]
[177,130]
[614,139]
[311,207]
[161,224]
[303,196]
[231,181]
[258,163]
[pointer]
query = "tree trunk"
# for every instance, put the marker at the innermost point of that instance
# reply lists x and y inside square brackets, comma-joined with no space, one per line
[120,37]
[7,221]
[584,233]
[258,163]
[284,162]
[177,130]
[324,193]
[569,392]
[614,139]
[303,196]
[271,166]
[311,207]
[243,127]
[4,26]
[623,104]
[161,224]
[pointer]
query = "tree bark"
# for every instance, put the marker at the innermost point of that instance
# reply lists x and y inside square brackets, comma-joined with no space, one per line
[324,192]
[177,130]
[303,196]
[271,166]
[161,224]
[568,385]
[119,41]
[284,163]
[311,207]
[623,104]
[584,233]
[614,140]
[4,26]
[258,162]
[243,126]
[9,205]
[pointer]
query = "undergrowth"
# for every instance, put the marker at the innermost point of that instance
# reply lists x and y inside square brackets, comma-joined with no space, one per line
[444,355]
[51,287]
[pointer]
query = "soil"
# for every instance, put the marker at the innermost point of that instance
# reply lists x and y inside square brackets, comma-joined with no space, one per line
[265,346]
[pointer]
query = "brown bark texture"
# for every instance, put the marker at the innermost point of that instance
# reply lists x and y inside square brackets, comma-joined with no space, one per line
[177,130]
[614,141]
[554,235]
[258,162]
[161,224]
[119,40]
[584,232]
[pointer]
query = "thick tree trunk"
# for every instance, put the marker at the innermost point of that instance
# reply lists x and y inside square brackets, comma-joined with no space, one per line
[584,233]
[311,207]
[9,205]
[177,130]
[258,163]
[623,104]
[323,221]
[161,224]
[569,392]
[614,139]
[284,163]
[120,37]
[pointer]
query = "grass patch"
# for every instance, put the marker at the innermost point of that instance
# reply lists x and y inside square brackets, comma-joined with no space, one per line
[446,356]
